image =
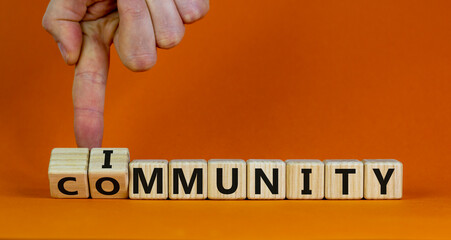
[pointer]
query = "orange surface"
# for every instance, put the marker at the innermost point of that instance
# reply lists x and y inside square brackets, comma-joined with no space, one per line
[254,79]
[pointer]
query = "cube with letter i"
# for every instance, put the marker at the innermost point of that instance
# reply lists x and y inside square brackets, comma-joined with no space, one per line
[148,179]
[226,179]
[188,179]
[383,179]
[68,173]
[344,179]
[305,179]
[265,179]
[108,172]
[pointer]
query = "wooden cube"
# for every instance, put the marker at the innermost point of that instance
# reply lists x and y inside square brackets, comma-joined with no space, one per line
[344,179]
[226,179]
[148,179]
[108,172]
[68,173]
[188,179]
[383,179]
[305,179]
[265,179]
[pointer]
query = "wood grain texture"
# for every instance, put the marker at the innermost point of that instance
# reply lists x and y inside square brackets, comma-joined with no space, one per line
[69,163]
[109,180]
[269,167]
[390,171]
[334,182]
[230,169]
[297,171]
[185,185]
[151,171]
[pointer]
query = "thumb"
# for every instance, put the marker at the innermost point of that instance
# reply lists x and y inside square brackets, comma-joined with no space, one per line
[61,20]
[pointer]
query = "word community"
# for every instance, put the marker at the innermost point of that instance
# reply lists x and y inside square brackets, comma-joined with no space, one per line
[108,173]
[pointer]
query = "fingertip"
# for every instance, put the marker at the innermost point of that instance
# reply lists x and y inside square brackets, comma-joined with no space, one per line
[170,39]
[135,39]
[140,62]
[70,46]
[88,127]
[62,51]
[191,11]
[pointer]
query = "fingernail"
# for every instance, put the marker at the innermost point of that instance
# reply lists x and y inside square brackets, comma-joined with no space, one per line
[62,50]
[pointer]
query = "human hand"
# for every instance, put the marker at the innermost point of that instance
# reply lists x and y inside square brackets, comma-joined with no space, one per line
[84,31]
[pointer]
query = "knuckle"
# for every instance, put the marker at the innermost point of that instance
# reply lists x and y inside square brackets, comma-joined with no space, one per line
[169,39]
[141,62]
[93,77]
[194,12]
[46,24]
[134,13]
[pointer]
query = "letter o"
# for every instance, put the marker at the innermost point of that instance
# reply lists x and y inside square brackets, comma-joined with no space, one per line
[99,188]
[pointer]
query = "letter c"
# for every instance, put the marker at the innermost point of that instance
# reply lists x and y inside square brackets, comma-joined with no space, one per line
[61,186]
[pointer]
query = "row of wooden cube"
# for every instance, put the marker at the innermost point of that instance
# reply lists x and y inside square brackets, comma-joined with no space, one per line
[108,173]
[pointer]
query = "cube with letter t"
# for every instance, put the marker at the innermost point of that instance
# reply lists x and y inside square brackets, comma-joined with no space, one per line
[108,172]
[265,179]
[188,179]
[148,179]
[383,179]
[344,179]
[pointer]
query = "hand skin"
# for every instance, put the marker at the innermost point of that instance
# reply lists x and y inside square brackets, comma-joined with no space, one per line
[84,31]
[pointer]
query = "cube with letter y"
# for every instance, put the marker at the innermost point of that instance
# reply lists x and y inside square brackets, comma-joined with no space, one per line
[148,179]
[68,173]
[383,179]
[108,172]
[188,179]
[344,179]
[226,179]
[265,179]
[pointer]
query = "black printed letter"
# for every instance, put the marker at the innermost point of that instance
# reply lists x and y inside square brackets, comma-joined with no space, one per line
[345,173]
[259,174]
[61,186]
[106,163]
[178,173]
[383,181]
[219,184]
[306,190]
[139,174]
[112,180]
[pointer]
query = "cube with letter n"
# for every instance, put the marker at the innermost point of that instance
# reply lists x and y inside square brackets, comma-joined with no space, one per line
[266,179]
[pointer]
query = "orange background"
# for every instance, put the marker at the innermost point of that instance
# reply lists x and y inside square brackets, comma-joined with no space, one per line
[254,79]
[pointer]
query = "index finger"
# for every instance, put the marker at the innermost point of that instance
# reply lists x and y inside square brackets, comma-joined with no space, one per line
[88,91]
